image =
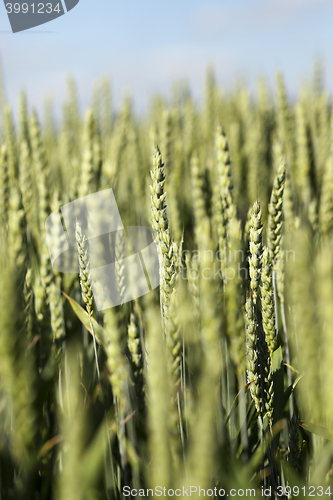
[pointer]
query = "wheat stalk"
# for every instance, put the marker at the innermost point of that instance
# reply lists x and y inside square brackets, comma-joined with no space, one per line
[85,280]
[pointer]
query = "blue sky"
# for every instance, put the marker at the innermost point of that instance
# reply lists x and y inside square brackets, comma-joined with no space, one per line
[145,46]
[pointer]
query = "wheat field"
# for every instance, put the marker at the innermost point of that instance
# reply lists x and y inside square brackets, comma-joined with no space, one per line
[221,377]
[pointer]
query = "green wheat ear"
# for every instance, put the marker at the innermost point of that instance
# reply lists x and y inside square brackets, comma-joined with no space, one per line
[4,186]
[255,261]
[25,179]
[117,362]
[275,209]
[160,224]
[87,181]
[10,141]
[17,229]
[24,125]
[84,268]
[303,154]
[41,173]
[85,280]
[267,303]
[120,244]
[258,364]
[197,192]
[135,348]
[251,352]
[223,164]
[326,199]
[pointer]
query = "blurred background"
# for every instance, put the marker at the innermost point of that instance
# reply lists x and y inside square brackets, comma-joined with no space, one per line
[192,379]
[146,46]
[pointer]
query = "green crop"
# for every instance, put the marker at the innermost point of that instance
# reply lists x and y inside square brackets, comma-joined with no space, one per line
[222,376]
